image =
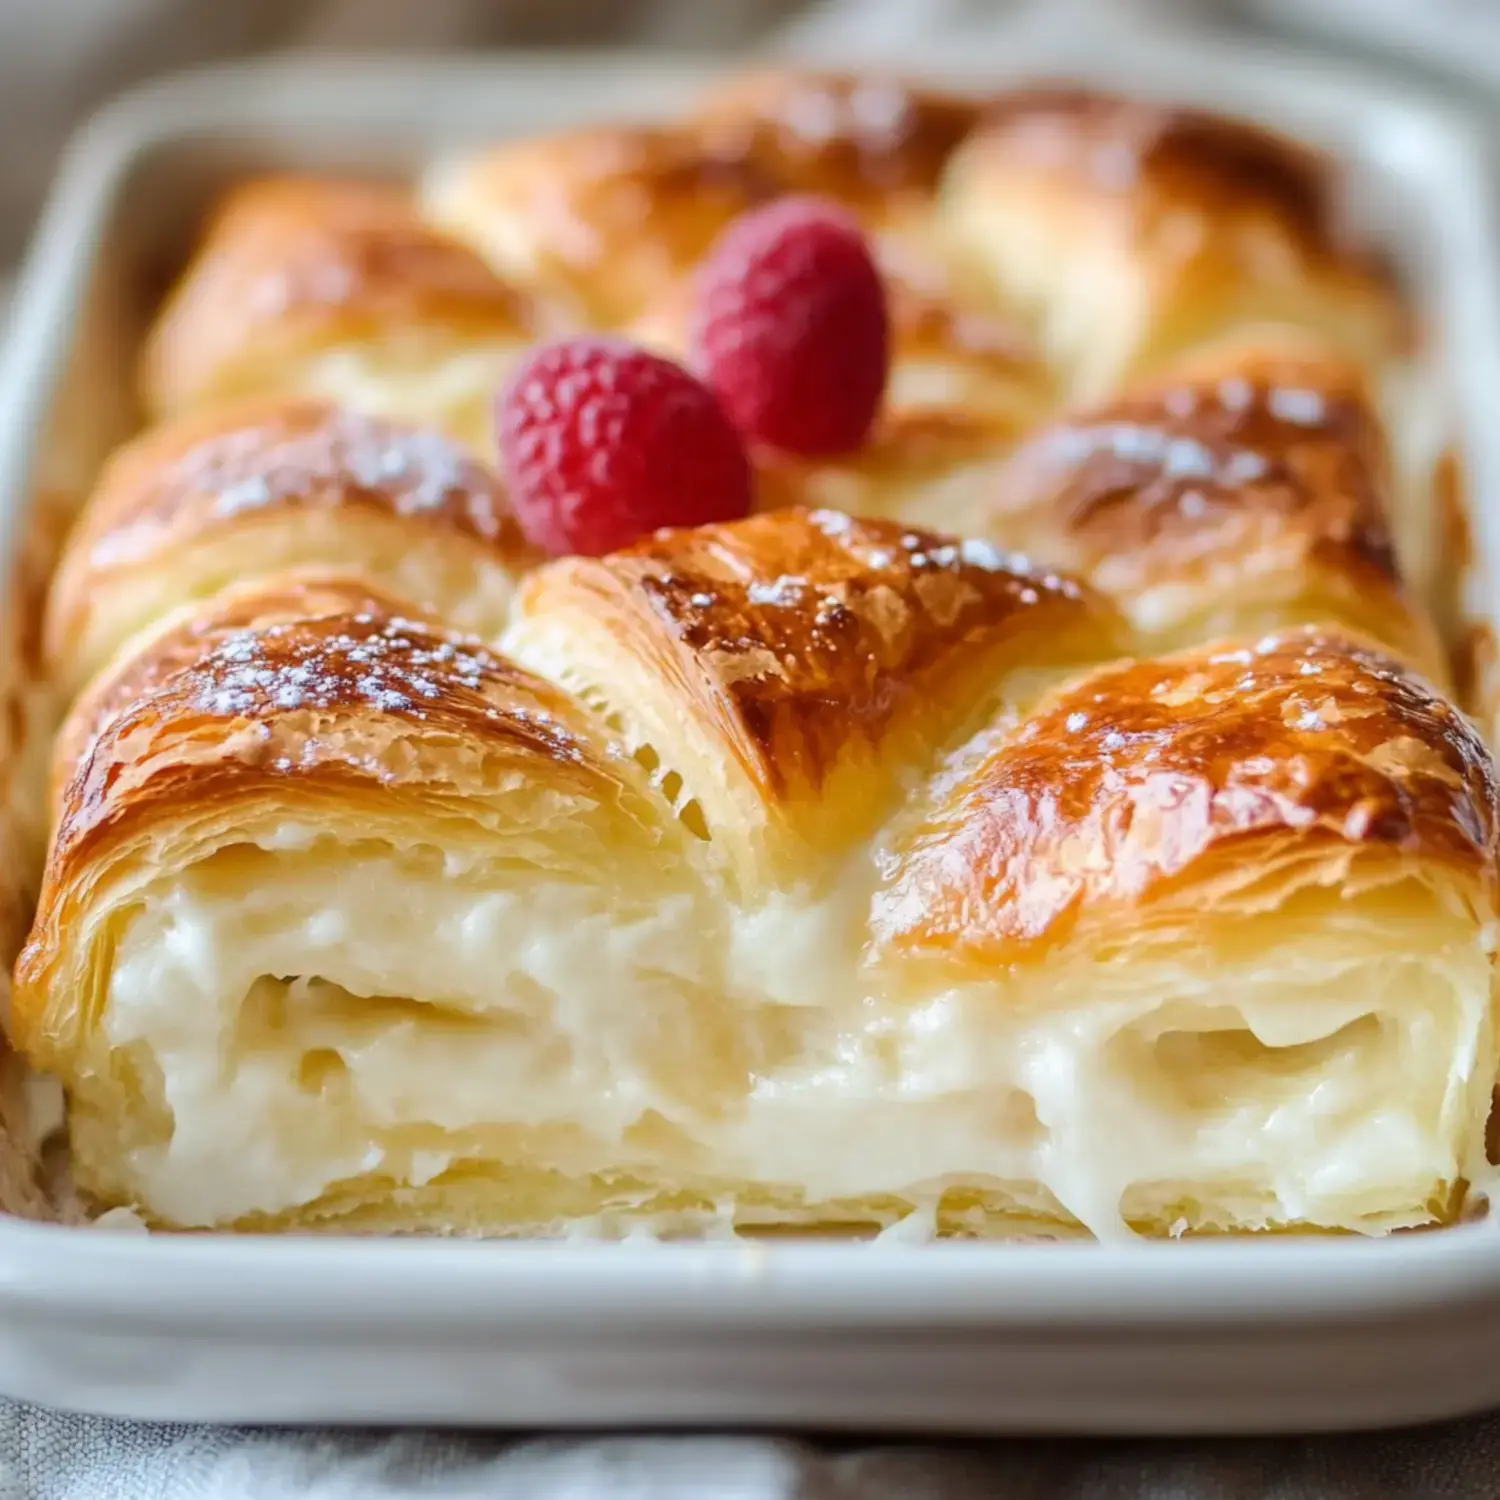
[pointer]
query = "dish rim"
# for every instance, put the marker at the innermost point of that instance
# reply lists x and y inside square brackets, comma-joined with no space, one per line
[302,1288]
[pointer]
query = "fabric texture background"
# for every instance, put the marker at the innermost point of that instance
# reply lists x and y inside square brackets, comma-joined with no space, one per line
[57,59]
[47,1456]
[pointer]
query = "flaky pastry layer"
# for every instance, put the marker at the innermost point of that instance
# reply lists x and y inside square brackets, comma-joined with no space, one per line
[1037,243]
[255,489]
[336,289]
[807,874]
[828,885]
[1246,488]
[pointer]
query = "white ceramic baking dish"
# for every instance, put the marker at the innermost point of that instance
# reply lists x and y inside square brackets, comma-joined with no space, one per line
[1227,1336]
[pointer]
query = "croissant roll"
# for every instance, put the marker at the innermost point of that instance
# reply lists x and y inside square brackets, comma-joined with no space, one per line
[1247,492]
[293,942]
[259,488]
[789,681]
[784,676]
[337,289]
[1135,231]
[1230,916]
[600,221]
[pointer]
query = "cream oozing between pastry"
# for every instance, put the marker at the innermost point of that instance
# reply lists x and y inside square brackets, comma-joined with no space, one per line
[807,873]
[647,1049]
[417,379]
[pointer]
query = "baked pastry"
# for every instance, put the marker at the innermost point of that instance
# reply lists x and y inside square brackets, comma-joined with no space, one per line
[876,142]
[1241,899]
[182,636]
[764,918]
[607,218]
[966,377]
[340,290]
[254,489]
[405,720]
[612,223]
[600,221]
[1123,233]
[396,727]
[785,677]
[1246,490]
[1135,231]
[808,872]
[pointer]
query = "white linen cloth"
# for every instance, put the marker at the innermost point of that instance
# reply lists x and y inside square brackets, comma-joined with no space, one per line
[56,56]
[48,1456]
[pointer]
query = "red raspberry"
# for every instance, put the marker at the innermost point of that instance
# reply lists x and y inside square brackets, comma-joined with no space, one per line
[790,327]
[603,442]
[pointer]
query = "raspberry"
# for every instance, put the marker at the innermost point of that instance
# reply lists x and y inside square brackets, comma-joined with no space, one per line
[603,442]
[790,327]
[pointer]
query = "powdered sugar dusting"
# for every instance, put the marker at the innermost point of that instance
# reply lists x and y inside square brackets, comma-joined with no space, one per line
[396,666]
[315,456]
[820,607]
[882,547]
[416,470]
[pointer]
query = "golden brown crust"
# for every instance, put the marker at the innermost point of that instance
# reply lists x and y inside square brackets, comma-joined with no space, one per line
[792,672]
[1126,789]
[1135,230]
[1287,443]
[1253,484]
[1153,155]
[193,632]
[601,220]
[197,483]
[607,219]
[811,630]
[213,467]
[874,142]
[290,265]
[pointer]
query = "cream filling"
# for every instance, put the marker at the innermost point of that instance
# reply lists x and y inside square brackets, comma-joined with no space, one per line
[316,1017]
[453,389]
